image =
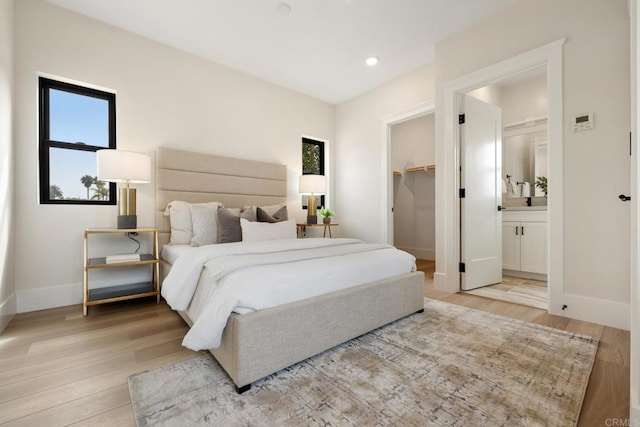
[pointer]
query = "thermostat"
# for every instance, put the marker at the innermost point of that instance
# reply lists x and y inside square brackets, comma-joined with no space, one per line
[582,122]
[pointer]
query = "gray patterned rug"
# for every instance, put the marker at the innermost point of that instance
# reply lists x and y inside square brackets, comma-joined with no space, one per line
[451,366]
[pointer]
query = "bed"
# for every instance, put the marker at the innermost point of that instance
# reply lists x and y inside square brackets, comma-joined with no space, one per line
[256,344]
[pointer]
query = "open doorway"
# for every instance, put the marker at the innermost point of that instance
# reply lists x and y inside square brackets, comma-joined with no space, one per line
[447,276]
[412,150]
[521,231]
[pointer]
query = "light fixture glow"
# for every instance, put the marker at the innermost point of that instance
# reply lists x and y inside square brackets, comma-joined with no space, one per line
[372,60]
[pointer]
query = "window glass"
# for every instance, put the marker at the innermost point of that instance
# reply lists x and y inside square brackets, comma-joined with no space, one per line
[78,118]
[73,175]
[311,154]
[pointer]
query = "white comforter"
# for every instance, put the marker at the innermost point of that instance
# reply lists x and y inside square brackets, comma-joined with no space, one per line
[249,276]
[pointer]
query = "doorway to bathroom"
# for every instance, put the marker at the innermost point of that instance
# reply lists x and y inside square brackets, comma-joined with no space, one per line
[510,262]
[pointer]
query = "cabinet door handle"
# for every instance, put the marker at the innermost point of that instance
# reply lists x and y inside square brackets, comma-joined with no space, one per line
[516,230]
[522,230]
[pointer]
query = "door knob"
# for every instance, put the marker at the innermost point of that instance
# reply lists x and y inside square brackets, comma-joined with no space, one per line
[624,198]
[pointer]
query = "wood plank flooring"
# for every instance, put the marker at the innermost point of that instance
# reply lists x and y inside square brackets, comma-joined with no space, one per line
[58,368]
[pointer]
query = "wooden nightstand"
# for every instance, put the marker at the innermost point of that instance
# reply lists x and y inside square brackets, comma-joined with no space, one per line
[120,292]
[301,228]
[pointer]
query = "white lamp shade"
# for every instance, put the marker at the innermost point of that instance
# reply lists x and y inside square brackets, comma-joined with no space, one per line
[122,166]
[313,184]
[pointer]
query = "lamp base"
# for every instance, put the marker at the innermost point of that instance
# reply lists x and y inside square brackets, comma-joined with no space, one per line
[127,221]
[312,219]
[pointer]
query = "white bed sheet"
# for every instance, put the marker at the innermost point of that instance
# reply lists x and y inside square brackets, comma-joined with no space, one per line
[262,286]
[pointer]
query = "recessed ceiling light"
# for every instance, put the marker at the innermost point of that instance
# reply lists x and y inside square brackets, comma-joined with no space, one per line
[372,60]
[284,9]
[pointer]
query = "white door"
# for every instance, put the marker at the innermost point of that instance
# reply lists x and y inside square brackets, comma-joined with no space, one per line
[480,176]
[510,245]
[533,247]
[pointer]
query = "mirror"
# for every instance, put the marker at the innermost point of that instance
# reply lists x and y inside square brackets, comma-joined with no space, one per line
[524,158]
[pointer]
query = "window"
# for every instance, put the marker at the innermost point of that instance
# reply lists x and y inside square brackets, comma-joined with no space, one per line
[75,122]
[312,163]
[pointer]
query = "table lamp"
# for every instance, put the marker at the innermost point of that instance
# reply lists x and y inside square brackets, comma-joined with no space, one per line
[312,184]
[127,167]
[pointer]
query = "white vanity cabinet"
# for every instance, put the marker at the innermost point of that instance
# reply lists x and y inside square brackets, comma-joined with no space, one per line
[524,241]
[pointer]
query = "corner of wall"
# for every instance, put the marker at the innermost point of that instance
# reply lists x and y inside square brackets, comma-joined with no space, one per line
[7,144]
[7,311]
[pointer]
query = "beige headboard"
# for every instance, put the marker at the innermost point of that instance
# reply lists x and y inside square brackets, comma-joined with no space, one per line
[196,177]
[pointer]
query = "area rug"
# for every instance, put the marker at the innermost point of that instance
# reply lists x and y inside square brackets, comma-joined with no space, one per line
[448,366]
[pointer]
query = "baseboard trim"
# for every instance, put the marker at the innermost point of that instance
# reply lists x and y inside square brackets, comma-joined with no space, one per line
[7,311]
[525,275]
[420,253]
[49,297]
[635,416]
[603,312]
[440,283]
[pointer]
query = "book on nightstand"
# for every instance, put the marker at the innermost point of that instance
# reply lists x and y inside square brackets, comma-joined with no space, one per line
[110,259]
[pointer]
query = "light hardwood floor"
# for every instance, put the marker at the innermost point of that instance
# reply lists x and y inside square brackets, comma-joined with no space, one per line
[58,368]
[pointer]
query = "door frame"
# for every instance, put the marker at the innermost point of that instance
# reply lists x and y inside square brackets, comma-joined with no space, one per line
[634,383]
[447,277]
[415,111]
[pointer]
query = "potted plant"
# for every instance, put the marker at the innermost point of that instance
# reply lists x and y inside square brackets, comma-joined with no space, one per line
[541,183]
[326,214]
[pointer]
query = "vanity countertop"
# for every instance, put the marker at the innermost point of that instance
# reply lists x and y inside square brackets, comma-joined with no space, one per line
[524,208]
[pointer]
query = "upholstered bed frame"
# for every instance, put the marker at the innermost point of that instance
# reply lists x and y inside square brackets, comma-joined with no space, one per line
[258,344]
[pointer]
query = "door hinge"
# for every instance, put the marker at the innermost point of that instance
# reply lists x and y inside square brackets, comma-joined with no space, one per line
[461,267]
[460,119]
[461,193]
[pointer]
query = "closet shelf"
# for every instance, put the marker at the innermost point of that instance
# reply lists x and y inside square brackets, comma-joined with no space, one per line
[420,169]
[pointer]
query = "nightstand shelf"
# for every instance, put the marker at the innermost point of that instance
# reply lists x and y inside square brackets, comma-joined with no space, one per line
[120,293]
[104,295]
[102,262]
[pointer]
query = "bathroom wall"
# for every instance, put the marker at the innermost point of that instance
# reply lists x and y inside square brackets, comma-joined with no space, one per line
[521,98]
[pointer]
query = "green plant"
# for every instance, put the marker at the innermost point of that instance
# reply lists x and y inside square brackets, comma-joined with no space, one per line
[541,183]
[326,212]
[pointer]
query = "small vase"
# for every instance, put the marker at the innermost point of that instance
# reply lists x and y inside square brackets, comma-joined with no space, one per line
[326,220]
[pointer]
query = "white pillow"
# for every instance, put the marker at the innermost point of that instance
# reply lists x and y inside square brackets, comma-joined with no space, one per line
[258,231]
[204,219]
[179,213]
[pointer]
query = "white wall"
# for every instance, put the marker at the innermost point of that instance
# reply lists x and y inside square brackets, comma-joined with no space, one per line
[7,236]
[413,144]
[359,151]
[164,98]
[596,162]
[523,99]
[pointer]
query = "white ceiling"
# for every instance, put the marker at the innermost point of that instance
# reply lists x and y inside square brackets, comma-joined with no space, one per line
[318,49]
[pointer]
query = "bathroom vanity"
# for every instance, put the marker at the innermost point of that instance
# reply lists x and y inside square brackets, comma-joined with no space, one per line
[524,242]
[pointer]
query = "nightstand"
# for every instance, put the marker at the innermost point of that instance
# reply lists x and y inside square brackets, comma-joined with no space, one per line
[301,229]
[109,294]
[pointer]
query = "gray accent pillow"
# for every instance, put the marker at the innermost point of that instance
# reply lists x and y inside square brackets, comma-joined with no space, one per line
[278,216]
[205,224]
[270,209]
[229,229]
